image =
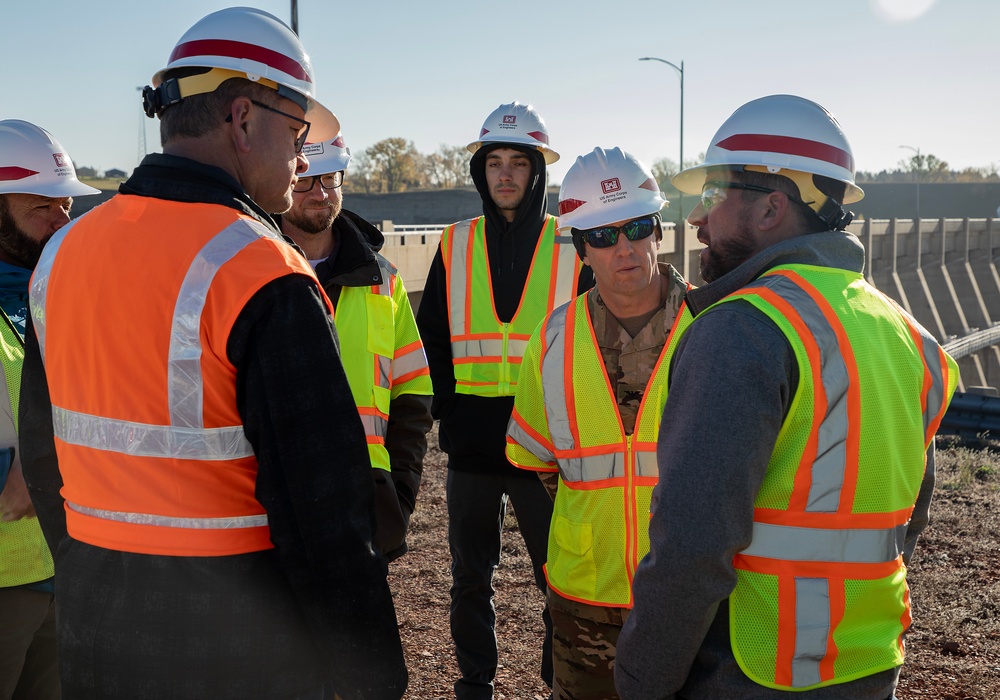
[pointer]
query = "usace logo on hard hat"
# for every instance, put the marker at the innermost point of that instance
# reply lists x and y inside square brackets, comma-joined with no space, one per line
[612,185]
[61,160]
[510,119]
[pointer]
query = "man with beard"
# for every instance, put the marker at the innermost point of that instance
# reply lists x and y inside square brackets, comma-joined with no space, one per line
[37,186]
[493,279]
[198,466]
[379,343]
[796,455]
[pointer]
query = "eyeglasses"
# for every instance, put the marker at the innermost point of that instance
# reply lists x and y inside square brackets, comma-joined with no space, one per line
[634,230]
[330,181]
[715,192]
[300,140]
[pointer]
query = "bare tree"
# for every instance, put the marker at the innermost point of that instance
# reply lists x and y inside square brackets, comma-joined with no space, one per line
[394,163]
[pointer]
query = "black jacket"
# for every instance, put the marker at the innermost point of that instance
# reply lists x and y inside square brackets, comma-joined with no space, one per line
[314,609]
[473,429]
[356,265]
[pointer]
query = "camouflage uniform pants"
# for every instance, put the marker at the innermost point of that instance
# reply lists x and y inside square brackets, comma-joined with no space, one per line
[584,644]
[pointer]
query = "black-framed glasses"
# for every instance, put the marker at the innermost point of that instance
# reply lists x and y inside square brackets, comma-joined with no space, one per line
[300,140]
[329,181]
[634,230]
[715,192]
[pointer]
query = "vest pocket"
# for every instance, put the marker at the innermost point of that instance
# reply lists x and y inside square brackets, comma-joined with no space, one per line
[381,337]
[571,562]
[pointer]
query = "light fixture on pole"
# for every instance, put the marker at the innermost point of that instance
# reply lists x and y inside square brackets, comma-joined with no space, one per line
[920,170]
[680,165]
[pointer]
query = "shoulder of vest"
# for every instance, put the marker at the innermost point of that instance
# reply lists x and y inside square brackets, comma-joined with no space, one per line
[388,269]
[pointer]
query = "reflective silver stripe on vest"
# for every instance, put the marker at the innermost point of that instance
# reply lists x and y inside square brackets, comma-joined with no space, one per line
[375,426]
[384,370]
[185,385]
[516,347]
[573,469]
[145,440]
[40,284]
[830,465]
[566,257]
[186,437]
[858,546]
[412,361]
[645,463]
[932,358]
[812,629]
[168,521]
[460,237]
[523,438]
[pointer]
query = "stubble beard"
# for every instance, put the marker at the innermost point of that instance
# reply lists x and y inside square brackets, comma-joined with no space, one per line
[727,256]
[18,245]
[311,221]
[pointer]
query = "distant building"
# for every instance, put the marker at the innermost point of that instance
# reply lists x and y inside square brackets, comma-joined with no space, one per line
[115,174]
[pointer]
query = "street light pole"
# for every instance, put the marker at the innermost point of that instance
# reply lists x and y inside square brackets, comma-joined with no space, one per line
[920,166]
[680,165]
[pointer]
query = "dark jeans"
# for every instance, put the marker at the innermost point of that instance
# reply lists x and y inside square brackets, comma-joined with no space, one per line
[476,507]
[29,666]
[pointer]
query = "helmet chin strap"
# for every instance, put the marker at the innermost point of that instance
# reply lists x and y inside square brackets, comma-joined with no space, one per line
[829,210]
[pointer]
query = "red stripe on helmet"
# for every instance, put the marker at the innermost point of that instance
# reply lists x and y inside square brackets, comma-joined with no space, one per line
[483,132]
[16,172]
[338,142]
[789,145]
[539,136]
[239,49]
[650,185]
[568,205]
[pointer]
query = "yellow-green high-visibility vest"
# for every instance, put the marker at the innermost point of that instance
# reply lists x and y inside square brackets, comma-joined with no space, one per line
[382,353]
[24,555]
[565,416]
[486,352]
[821,597]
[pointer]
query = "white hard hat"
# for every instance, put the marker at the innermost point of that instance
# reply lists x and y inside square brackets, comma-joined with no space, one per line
[516,123]
[241,42]
[782,135]
[33,162]
[326,156]
[603,187]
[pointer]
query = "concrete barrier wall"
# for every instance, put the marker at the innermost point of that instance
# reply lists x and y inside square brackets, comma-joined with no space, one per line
[943,271]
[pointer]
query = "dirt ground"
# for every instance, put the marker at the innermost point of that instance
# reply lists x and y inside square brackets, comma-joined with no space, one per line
[953,648]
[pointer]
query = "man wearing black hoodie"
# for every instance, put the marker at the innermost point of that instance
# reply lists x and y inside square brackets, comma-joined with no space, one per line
[493,280]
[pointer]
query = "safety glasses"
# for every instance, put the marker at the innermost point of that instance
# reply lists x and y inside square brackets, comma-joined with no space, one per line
[715,192]
[300,139]
[634,230]
[329,181]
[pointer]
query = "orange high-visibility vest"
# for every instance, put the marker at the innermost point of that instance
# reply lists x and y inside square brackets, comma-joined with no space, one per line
[132,306]
[486,353]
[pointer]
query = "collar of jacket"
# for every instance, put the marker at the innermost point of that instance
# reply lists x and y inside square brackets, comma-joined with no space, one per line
[837,249]
[180,179]
[355,264]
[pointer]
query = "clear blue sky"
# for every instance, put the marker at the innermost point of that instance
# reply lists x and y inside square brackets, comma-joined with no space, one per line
[925,73]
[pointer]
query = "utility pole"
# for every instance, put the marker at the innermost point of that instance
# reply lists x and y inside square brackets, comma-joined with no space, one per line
[142,133]
[295,17]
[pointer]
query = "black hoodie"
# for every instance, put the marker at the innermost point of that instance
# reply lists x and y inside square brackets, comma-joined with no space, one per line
[473,429]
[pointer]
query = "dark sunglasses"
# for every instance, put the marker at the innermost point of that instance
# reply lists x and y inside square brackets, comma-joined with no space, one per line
[300,140]
[634,230]
[330,181]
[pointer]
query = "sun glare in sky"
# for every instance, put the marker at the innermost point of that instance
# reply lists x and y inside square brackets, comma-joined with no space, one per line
[901,10]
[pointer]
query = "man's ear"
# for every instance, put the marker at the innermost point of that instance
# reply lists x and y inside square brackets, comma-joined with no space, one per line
[772,210]
[240,121]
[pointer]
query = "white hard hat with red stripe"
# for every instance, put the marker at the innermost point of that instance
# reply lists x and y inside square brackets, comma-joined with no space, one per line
[517,124]
[327,156]
[603,187]
[241,42]
[33,162]
[783,135]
